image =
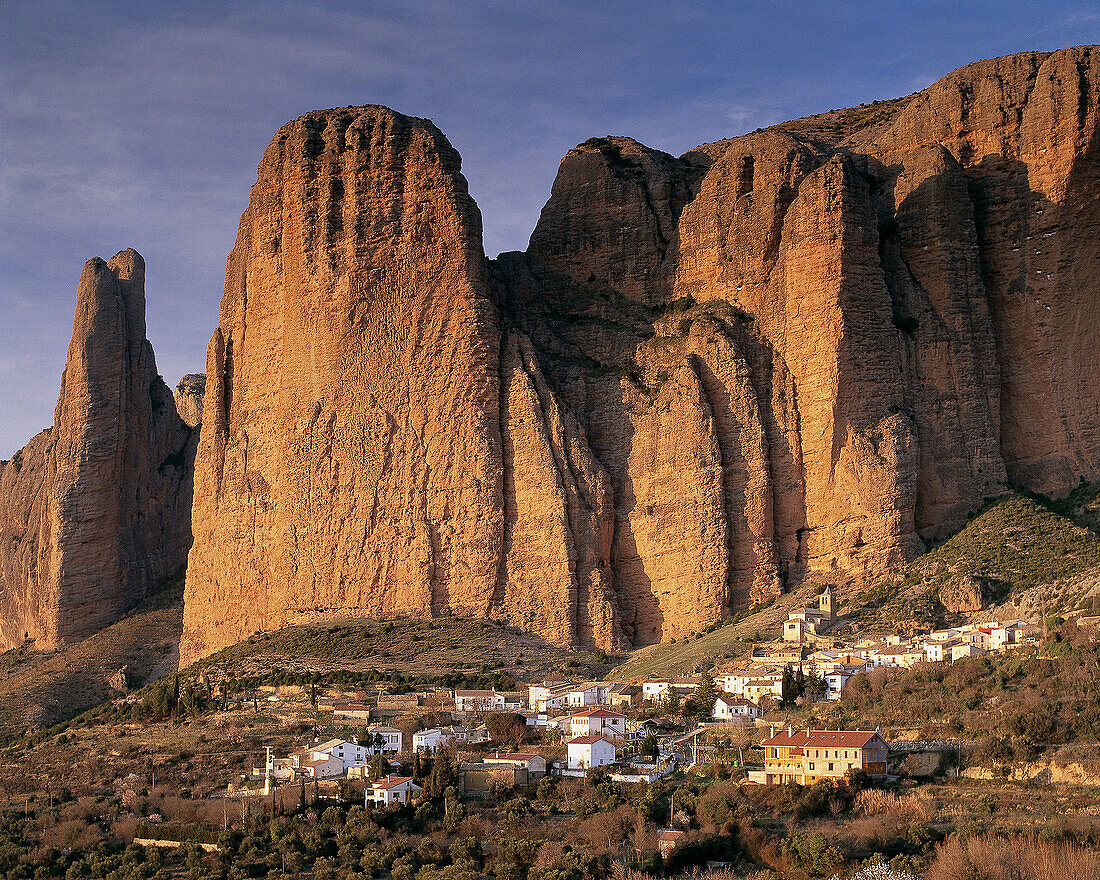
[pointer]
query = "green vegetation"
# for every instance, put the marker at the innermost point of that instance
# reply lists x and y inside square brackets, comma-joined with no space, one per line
[1014,704]
[1014,543]
[1013,539]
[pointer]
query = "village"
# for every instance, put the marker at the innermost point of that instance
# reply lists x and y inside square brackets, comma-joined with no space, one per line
[637,732]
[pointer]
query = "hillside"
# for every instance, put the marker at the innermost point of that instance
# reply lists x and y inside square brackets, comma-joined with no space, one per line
[443,646]
[1019,552]
[39,689]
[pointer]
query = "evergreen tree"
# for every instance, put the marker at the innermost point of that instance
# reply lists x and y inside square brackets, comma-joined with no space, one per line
[442,777]
[672,701]
[706,695]
[787,689]
[378,767]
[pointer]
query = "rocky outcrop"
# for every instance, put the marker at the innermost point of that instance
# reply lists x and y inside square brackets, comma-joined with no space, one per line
[189,394]
[351,456]
[95,511]
[804,352]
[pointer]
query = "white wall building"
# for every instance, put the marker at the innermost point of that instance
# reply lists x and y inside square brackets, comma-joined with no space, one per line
[601,722]
[478,701]
[430,740]
[391,790]
[391,737]
[586,752]
[735,709]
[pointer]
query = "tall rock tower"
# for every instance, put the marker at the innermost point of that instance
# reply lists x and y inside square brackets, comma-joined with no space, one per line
[95,511]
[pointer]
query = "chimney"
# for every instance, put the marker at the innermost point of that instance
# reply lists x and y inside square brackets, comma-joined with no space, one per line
[771,731]
[790,730]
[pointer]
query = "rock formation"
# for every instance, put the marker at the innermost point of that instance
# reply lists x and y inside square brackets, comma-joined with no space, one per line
[350,458]
[189,393]
[801,353]
[95,511]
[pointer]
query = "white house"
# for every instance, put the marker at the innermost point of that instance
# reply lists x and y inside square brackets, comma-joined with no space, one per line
[735,709]
[966,649]
[586,752]
[584,694]
[549,695]
[391,737]
[601,722]
[837,679]
[350,754]
[317,765]
[655,688]
[768,685]
[478,701]
[534,764]
[391,790]
[430,740]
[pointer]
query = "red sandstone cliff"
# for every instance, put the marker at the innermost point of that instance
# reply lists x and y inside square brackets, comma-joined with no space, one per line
[95,511]
[801,352]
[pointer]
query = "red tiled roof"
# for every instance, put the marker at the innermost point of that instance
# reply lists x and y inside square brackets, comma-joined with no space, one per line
[596,713]
[587,740]
[844,739]
[389,782]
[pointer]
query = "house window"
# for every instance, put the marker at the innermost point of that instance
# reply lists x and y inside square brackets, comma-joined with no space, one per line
[830,766]
[811,765]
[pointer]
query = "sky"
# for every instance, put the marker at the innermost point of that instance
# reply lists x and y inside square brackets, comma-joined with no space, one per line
[140,124]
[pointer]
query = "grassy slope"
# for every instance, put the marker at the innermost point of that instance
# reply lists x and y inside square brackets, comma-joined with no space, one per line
[408,646]
[1021,542]
[38,689]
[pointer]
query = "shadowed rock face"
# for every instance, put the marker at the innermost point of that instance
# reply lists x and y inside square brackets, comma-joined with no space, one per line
[799,353]
[95,511]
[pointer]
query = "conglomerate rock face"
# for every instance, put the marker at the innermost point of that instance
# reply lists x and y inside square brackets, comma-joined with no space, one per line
[351,454]
[95,511]
[801,353]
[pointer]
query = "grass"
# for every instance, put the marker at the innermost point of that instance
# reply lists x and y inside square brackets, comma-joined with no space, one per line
[1016,541]
[41,689]
[408,646]
[702,650]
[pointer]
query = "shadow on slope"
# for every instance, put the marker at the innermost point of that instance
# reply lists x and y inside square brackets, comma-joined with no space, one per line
[41,689]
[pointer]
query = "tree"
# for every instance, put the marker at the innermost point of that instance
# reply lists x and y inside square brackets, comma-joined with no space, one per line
[672,701]
[706,694]
[649,745]
[378,767]
[442,777]
[506,727]
[788,688]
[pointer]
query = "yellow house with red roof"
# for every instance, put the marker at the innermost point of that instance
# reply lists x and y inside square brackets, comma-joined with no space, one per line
[808,756]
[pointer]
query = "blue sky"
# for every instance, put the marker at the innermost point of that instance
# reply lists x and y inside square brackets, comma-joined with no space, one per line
[140,124]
